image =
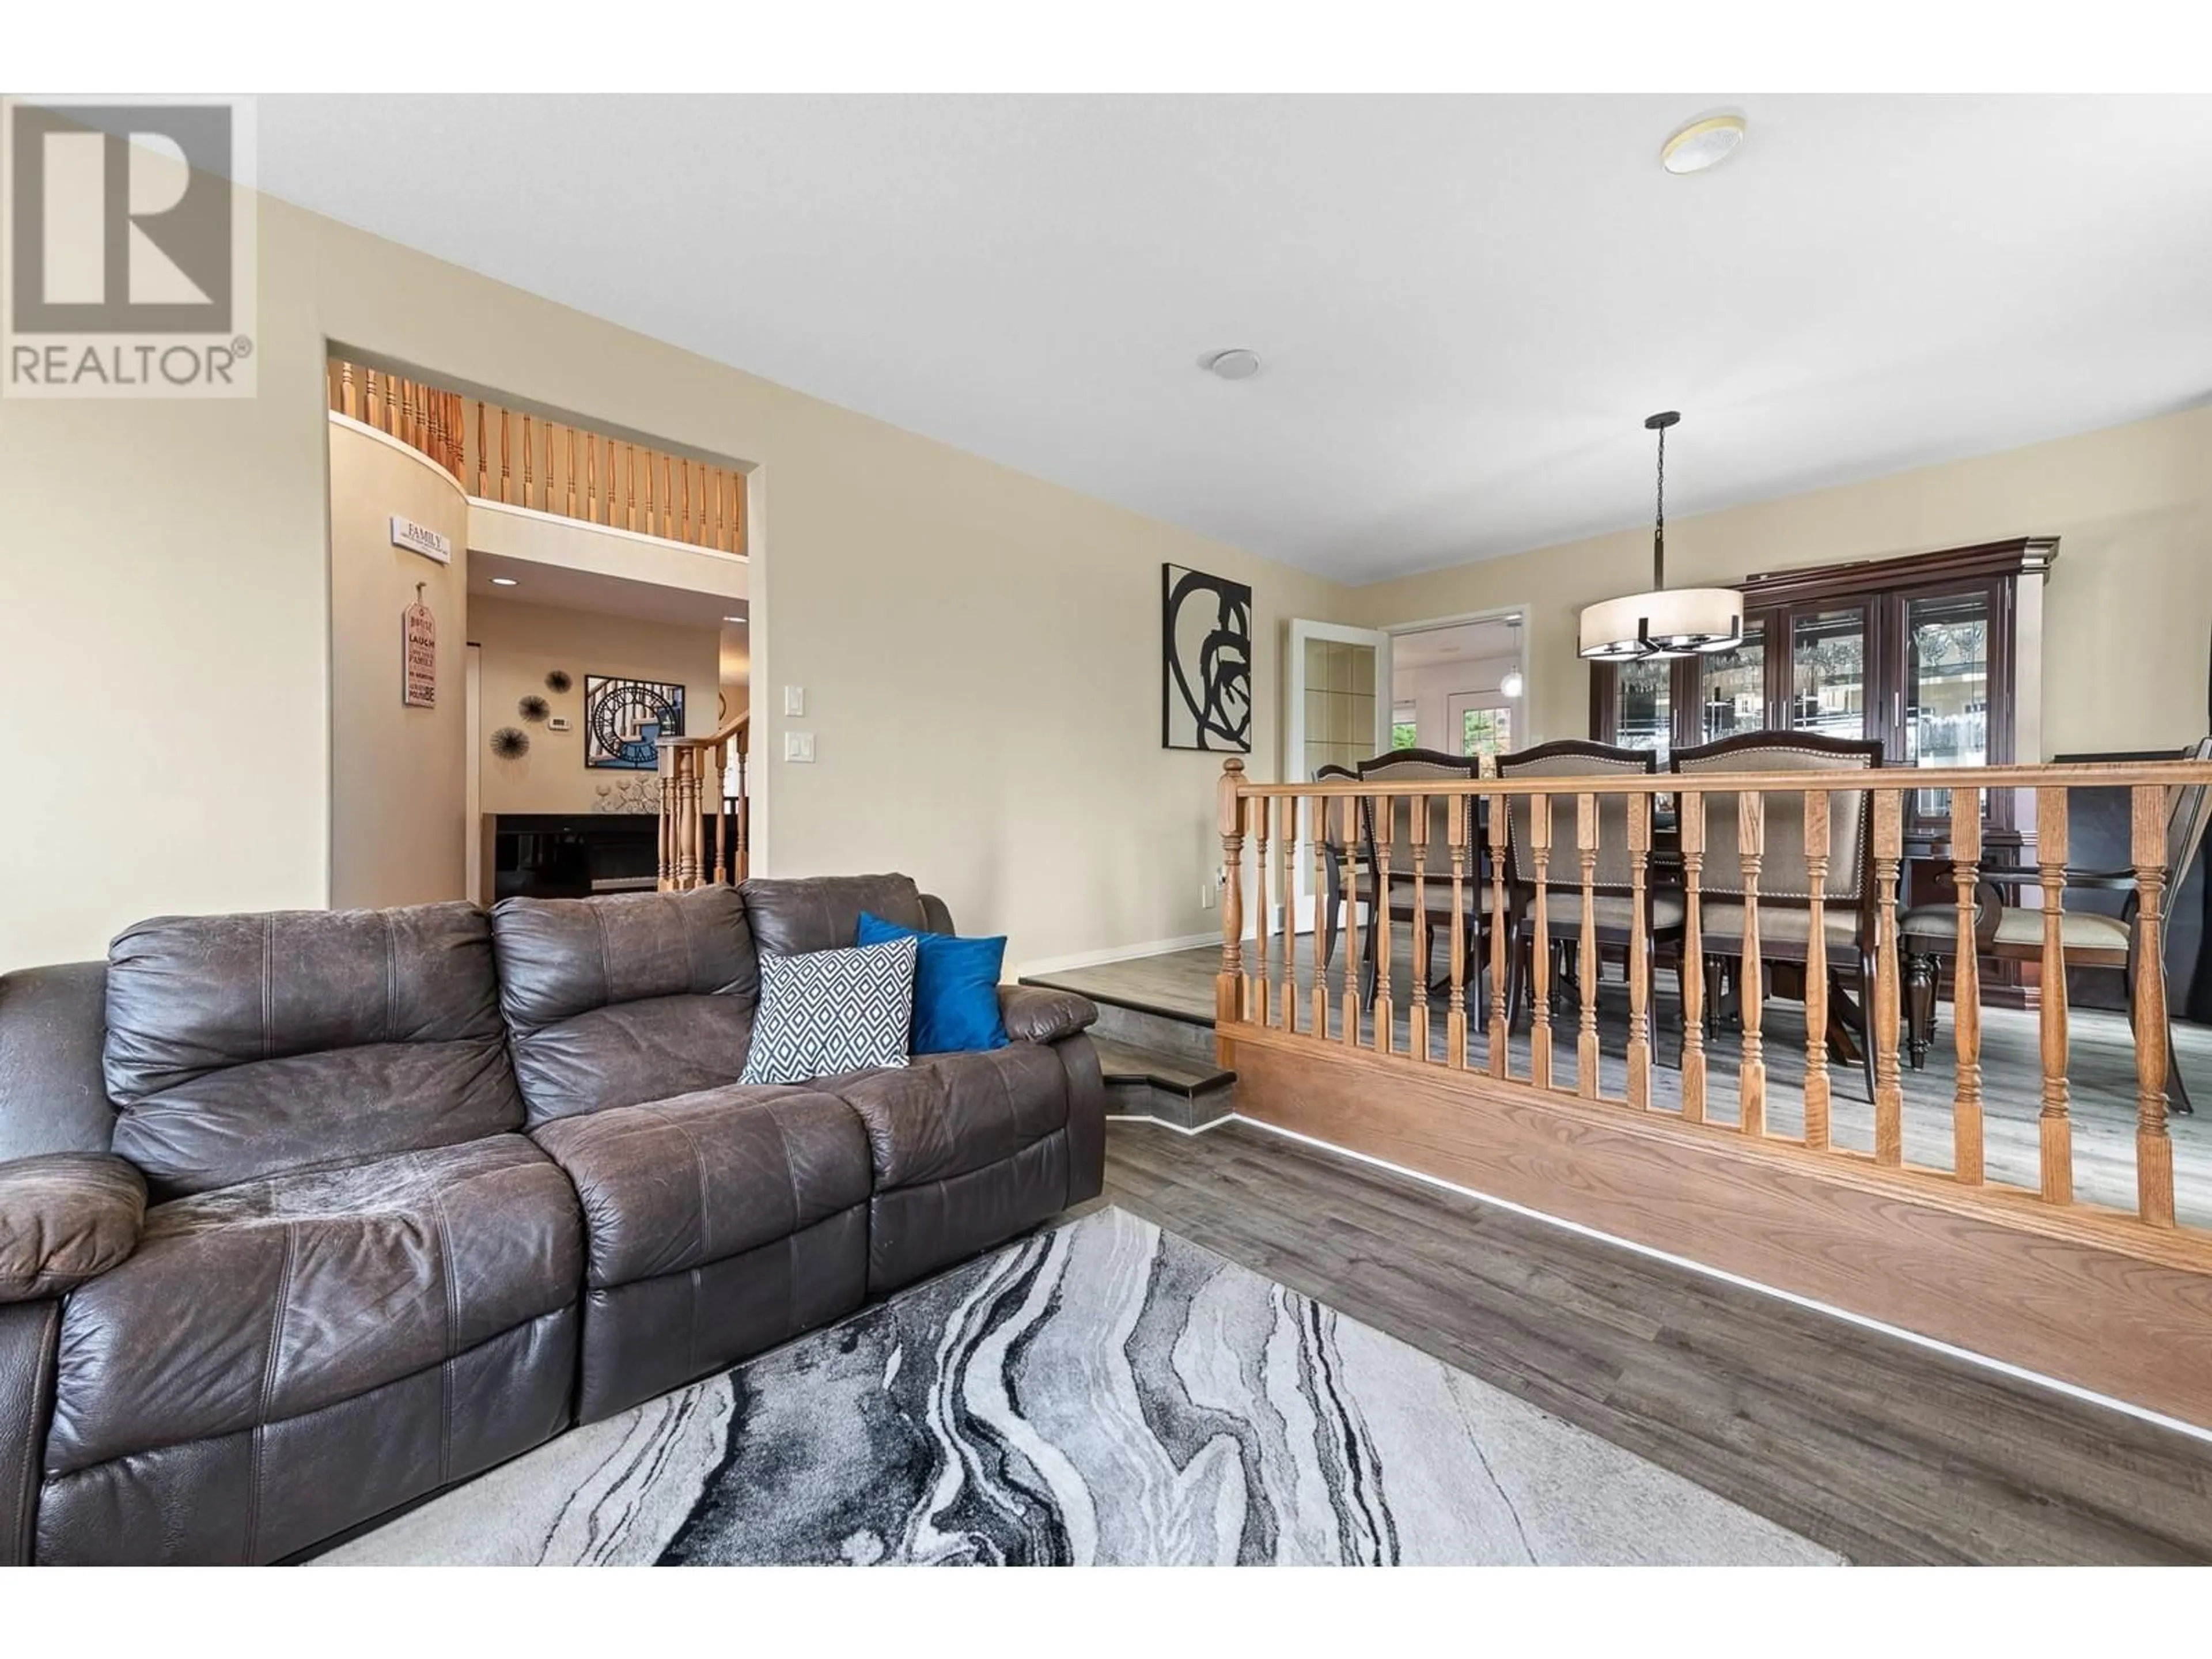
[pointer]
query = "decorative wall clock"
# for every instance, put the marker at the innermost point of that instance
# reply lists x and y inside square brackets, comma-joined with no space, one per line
[622,718]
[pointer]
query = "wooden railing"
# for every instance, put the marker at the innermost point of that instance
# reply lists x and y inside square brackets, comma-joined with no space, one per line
[1270,982]
[520,459]
[705,826]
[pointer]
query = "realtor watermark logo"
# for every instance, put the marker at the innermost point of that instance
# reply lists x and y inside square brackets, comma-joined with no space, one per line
[126,255]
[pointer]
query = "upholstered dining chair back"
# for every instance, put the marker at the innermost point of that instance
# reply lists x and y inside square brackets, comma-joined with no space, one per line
[2189,809]
[1783,873]
[1408,769]
[1332,829]
[1571,758]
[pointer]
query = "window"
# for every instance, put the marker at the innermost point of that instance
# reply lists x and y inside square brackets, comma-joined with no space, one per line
[1405,727]
[1486,731]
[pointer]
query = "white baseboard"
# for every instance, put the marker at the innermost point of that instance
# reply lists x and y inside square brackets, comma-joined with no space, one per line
[1158,947]
[1147,1119]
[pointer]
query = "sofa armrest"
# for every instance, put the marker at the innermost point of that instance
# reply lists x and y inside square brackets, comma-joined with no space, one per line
[1034,1014]
[936,917]
[66,1218]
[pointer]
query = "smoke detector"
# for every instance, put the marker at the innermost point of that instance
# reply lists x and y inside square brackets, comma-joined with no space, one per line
[1234,364]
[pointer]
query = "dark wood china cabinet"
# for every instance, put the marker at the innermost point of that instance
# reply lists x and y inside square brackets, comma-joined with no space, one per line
[1921,653]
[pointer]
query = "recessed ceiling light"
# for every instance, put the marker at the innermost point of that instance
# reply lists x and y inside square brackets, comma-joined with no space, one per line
[505,582]
[1702,144]
[1234,364]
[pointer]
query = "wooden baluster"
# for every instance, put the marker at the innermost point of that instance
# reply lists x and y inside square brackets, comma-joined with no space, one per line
[403,419]
[1500,1052]
[369,406]
[1349,851]
[1286,862]
[1818,1095]
[1317,828]
[1417,1016]
[460,412]
[1228,983]
[1540,947]
[719,803]
[2154,1149]
[689,533]
[506,426]
[630,468]
[651,499]
[717,494]
[1586,1050]
[1639,953]
[1751,829]
[1455,812]
[572,472]
[347,407]
[1384,808]
[526,461]
[667,499]
[667,869]
[1258,990]
[591,479]
[1888,1082]
[1689,816]
[740,507]
[1967,989]
[545,489]
[2053,1126]
[483,457]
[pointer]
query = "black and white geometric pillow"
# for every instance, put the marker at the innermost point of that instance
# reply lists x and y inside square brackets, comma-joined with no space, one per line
[830,1012]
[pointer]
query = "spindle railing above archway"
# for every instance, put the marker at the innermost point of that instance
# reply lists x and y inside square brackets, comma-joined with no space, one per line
[519,459]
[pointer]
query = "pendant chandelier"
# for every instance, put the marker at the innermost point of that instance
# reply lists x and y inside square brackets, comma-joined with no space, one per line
[1679,621]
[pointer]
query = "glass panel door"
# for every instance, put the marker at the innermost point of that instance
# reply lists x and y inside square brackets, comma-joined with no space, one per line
[1828,663]
[1643,712]
[1947,688]
[1732,687]
[1342,711]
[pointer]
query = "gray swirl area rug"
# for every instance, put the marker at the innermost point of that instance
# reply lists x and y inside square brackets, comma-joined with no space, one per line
[1102,1392]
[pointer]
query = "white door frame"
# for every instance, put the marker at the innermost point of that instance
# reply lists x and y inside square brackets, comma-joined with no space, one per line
[1291,768]
[1524,725]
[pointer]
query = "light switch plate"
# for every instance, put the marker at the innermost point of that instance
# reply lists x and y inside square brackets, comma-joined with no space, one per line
[799,746]
[794,700]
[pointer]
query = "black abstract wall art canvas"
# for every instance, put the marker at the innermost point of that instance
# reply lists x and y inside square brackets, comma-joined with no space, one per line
[1207,671]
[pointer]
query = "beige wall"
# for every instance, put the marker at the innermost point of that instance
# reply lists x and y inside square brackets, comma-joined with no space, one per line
[398,782]
[2127,610]
[980,649]
[521,643]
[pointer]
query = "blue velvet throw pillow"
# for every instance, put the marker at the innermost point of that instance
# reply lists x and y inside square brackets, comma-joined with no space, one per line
[955,987]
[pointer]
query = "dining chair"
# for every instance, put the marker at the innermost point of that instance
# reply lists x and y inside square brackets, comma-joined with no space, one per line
[1785,916]
[1613,893]
[1407,769]
[2013,933]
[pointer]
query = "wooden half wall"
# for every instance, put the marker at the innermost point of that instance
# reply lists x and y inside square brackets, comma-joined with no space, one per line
[2086,1295]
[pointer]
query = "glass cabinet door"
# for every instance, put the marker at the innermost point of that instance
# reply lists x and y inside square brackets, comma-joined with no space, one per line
[1947,688]
[1643,711]
[1828,665]
[1732,687]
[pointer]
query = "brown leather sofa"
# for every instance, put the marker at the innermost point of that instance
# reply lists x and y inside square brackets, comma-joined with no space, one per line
[305,1216]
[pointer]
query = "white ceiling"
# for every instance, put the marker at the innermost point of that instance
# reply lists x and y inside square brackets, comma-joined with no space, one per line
[1465,305]
[1468,641]
[569,589]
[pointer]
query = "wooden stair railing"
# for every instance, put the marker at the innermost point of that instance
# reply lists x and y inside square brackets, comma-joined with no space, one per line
[520,459]
[705,824]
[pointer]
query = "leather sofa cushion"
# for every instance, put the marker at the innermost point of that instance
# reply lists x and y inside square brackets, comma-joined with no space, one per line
[675,1184]
[823,912]
[945,1115]
[283,1295]
[53,1024]
[633,997]
[66,1218]
[242,1046]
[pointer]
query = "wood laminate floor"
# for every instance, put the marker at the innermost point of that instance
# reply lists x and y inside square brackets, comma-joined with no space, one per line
[1873,1446]
[2101,1071]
